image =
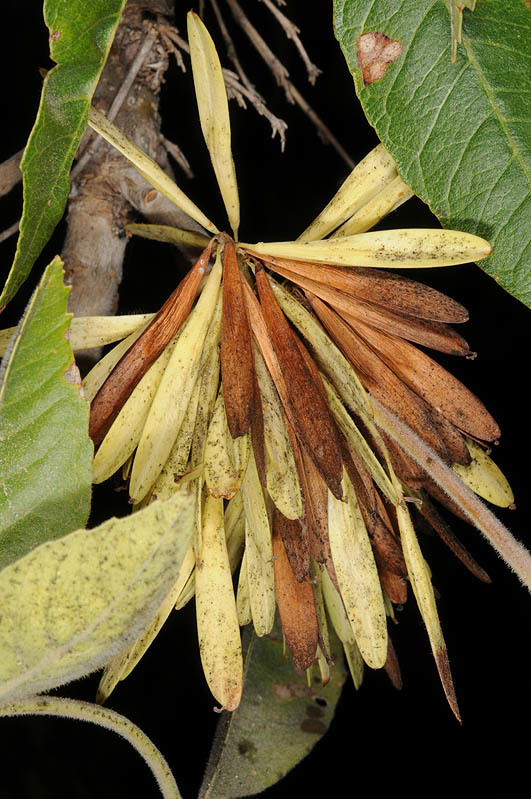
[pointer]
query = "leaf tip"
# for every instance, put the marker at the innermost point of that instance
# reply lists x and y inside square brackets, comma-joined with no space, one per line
[445,674]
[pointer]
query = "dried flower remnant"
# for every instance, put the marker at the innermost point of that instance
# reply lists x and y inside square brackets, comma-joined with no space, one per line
[303,413]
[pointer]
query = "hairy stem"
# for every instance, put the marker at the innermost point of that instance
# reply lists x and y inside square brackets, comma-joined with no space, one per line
[103,717]
[510,550]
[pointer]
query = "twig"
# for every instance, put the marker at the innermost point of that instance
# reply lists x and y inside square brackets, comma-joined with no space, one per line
[10,173]
[119,98]
[133,71]
[231,50]
[179,156]
[102,203]
[508,548]
[292,31]
[87,150]
[236,90]
[322,129]
[8,232]
[103,717]
[281,75]
[172,49]
[278,69]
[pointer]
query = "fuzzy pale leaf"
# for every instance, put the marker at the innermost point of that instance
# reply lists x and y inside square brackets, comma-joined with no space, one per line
[147,167]
[214,114]
[384,248]
[484,477]
[366,180]
[70,605]
[357,576]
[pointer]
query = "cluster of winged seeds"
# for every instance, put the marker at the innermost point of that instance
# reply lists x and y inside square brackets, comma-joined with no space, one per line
[281,384]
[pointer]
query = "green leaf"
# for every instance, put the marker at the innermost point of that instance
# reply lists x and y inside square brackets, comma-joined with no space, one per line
[279,721]
[460,133]
[81,35]
[45,451]
[71,605]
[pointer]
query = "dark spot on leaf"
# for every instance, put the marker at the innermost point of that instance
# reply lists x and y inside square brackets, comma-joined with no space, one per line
[313,726]
[321,701]
[291,690]
[55,35]
[246,749]
[314,712]
[375,51]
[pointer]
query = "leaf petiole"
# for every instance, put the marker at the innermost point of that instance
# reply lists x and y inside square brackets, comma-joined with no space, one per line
[103,717]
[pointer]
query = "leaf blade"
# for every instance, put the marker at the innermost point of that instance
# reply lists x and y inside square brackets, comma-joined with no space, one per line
[71,604]
[80,39]
[473,168]
[401,249]
[213,108]
[45,484]
[276,701]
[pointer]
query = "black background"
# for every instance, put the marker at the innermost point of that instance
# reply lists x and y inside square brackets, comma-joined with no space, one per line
[381,740]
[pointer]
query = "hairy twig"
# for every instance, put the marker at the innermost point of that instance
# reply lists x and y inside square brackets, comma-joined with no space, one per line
[172,49]
[231,50]
[236,90]
[281,75]
[292,32]
[103,717]
[509,549]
